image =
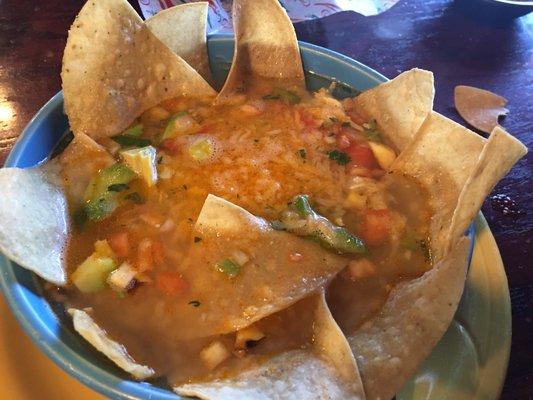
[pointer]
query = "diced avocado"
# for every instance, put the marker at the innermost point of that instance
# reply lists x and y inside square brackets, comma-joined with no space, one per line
[118,173]
[201,149]
[101,207]
[135,130]
[100,200]
[180,123]
[228,267]
[131,141]
[91,275]
[103,249]
[131,137]
[143,162]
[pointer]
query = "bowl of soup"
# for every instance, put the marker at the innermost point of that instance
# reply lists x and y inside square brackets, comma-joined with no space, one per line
[285,220]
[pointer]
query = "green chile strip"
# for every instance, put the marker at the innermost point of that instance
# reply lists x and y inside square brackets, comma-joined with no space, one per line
[321,230]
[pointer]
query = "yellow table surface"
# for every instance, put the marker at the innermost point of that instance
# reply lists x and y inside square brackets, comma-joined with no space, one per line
[26,373]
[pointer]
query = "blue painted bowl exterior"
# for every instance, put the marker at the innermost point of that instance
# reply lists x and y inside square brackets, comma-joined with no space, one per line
[53,332]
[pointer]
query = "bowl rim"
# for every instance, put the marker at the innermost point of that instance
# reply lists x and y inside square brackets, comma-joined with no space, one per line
[69,360]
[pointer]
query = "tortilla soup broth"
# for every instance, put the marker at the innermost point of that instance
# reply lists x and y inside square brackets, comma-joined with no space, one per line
[260,152]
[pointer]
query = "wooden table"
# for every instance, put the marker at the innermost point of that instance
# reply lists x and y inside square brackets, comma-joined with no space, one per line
[458,45]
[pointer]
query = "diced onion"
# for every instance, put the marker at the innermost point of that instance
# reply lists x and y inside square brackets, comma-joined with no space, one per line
[240,257]
[201,149]
[214,354]
[122,278]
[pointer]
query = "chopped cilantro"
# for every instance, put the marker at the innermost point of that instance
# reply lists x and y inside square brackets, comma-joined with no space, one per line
[340,157]
[195,303]
[302,153]
[197,239]
[271,97]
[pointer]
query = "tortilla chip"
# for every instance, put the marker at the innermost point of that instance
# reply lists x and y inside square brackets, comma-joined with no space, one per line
[329,339]
[266,48]
[480,108]
[441,157]
[182,29]
[458,168]
[399,106]
[90,331]
[33,222]
[265,284]
[327,371]
[78,163]
[114,68]
[389,347]
[500,153]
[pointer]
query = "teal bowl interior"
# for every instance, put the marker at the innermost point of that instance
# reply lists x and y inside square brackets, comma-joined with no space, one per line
[47,325]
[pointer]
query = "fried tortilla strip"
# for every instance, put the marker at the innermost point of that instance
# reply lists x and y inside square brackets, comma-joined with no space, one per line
[399,106]
[389,347]
[266,48]
[499,154]
[34,222]
[458,168]
[90,331]
[325,371]
[447,158]
[114,69]
[441,157]
[182,29]
[266,280]
[480,108]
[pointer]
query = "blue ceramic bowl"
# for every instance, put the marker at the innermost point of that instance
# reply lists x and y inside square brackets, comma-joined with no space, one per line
[50,329]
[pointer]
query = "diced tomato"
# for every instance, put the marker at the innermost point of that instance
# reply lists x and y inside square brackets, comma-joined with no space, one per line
[158,252]
[170,146]
[120,244]
[172,105]
[145,258]
[171,283]
[375,227]
[362,156]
